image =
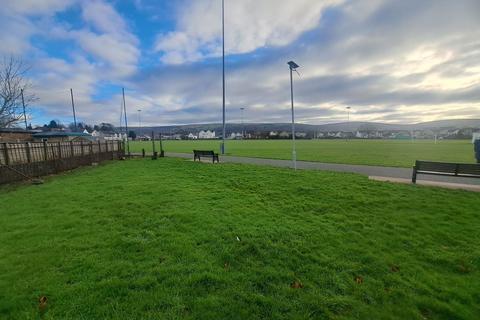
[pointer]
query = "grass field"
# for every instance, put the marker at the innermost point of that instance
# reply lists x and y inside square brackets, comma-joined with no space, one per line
[395,153]
[173,239]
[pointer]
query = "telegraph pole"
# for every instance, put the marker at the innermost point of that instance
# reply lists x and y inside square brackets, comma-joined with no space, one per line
[24,113]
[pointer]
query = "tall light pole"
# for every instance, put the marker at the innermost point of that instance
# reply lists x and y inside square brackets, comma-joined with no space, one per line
[73,108]
[139,119]
[348,118]
[293,67]
[243,127]
[223,76]
[126,122]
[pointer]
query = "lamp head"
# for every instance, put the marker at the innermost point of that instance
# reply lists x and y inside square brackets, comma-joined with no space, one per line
[293,65]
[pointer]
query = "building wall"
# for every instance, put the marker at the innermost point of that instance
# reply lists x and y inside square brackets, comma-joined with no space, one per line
[61,139]
[15,137]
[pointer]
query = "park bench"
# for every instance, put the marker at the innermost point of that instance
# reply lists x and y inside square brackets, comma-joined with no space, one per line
[466,170]
[197,154]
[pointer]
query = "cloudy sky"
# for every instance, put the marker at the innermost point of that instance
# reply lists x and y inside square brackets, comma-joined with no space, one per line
[390,61]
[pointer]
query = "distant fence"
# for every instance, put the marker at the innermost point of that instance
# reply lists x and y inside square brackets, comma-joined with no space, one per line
[35,159]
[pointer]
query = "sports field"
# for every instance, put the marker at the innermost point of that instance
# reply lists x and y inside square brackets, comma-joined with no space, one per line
[394,153]
[174,239]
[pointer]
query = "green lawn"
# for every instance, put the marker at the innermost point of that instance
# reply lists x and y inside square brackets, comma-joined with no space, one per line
[396,153]
[173,239]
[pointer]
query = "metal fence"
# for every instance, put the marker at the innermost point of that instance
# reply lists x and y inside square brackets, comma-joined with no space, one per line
[34,159]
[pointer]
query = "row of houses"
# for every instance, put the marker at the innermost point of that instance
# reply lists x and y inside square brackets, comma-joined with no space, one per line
[21,135]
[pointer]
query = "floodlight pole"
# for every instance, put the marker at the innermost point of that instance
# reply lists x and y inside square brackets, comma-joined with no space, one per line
[126,122]
[243,126]
[348,119]
[223,76]
[294,152]
[139,119]
[73,108]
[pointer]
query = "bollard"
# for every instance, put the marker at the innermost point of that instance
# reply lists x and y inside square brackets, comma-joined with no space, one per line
[155,155]
[143,153]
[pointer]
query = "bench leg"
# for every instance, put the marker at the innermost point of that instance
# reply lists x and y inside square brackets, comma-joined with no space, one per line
[414,175]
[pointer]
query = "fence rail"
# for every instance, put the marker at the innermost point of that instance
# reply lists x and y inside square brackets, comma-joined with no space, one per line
[35,159]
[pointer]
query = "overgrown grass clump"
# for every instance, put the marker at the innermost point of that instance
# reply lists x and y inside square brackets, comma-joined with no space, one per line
[173,239]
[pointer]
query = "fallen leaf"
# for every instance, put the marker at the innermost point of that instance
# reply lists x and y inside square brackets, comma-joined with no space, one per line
[296,284]
[394,268]
[42,303]
[358,279]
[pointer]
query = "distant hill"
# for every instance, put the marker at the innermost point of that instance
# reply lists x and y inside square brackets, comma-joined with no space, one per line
[343,126]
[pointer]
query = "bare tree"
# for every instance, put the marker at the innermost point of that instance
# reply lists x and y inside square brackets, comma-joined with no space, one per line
[12,82]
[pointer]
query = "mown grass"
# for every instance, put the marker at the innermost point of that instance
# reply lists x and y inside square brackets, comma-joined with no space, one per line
[173,239]
[395,153]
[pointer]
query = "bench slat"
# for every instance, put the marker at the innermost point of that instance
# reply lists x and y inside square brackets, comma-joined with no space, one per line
[471,169]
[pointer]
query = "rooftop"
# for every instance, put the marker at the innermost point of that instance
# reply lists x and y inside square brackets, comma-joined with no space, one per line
[60,134]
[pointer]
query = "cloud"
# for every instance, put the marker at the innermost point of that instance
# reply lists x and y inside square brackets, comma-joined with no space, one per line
[102,50]
[393,61]
[107,38]
[396,61]
[103,17]
[250,25]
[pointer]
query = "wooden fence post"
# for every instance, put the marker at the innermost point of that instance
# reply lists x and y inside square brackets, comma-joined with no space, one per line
[29,152]
[91,151]
[71,149]
[5,150]
[81,145]
[59,151]
[45,150]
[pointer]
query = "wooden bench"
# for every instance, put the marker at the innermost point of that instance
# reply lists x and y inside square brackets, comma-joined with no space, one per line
[198,154]
[466,170]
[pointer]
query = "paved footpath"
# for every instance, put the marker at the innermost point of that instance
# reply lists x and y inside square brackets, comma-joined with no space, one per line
[377,171]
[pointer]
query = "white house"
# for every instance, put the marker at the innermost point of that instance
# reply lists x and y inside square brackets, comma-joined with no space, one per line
[206,134]
[191,136]
[476,136]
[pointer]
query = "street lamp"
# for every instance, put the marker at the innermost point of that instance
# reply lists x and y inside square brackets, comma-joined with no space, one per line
[243,127]
[293,67]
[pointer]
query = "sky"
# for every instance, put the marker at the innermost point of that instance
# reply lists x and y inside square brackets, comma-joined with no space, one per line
[390,61]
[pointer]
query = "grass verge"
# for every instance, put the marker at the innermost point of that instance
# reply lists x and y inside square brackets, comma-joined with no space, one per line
[173,239]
